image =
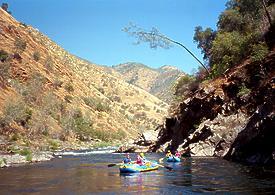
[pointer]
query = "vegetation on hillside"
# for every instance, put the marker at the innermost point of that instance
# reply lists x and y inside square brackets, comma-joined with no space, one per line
[241,34]
[5,7]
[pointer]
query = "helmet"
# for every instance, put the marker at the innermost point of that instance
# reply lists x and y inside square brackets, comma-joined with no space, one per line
[169,151]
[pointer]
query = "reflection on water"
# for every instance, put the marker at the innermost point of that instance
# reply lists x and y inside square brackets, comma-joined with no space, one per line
[85,174]
[182,173]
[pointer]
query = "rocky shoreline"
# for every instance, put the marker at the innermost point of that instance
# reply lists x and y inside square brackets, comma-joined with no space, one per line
[24,155]
[8,160]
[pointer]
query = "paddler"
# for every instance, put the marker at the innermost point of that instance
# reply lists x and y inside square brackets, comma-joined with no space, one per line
[169,154]
[177,154]
[139,160]
[127,159]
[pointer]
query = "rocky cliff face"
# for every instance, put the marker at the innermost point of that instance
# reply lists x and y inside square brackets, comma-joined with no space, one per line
[158,82]
[230,117]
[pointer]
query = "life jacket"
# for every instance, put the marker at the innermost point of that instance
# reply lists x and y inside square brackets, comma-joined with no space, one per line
[126,160]
[169,154]
[139,161]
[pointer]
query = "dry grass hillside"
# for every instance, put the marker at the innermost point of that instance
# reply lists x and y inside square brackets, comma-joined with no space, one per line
[158,82]
[55,97]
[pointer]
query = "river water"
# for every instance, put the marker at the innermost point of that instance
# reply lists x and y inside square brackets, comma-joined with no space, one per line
[87,173]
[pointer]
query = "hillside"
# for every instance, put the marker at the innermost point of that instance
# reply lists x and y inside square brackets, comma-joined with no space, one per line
[158,82]
[50,98]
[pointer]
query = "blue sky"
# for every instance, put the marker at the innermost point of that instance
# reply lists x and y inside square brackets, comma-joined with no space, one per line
[91,29]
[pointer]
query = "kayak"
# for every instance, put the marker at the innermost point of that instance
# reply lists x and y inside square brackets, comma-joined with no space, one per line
[172,159]
[135,168]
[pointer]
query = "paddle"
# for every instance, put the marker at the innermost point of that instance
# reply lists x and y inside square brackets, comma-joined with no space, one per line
[118,164]
[167,167]
[112,165]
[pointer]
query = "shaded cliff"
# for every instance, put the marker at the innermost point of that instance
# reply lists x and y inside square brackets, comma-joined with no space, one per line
[231,116]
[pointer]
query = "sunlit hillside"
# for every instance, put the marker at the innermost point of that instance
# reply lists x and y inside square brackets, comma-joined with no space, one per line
[49,94]
[158,82]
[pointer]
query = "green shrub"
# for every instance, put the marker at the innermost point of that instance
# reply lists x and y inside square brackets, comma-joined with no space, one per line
[182,84]
[49,64]
[29,157]
[36,56]
[3,162]
[74,121]
[259,52]
[51,104]
[81,125]
[15,137]
[20,45]
[53,144]
[119,135]
[89,101]
[23,24]
[3,55]
[40,123]
[69,87]
[243,90]
[231,20]
[218,69]
[228,48]
[102,107]
[101,90]
[68,98]
[27,153]
[5,71]
[16,110]
[57,83]
[32,92]
[96,104]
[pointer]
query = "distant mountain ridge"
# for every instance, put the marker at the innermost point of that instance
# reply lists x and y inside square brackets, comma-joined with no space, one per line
[158,82]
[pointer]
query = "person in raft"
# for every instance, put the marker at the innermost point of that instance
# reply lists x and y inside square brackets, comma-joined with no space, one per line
[139,160]
[127,159]
[177,154]
[169,154]
[143,157]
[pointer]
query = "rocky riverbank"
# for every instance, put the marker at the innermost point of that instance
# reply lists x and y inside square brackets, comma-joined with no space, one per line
[7,160]
[17,153]
[141,144]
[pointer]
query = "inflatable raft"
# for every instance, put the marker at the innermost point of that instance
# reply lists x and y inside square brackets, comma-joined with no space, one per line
[172,159]
[135,168]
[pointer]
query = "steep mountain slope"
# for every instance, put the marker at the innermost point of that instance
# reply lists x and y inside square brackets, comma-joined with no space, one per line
[158,82]
[47,93]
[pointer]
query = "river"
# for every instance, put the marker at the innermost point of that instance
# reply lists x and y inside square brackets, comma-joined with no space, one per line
[87,173]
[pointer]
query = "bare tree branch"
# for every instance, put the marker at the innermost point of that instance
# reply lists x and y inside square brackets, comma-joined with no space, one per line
[156,39]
